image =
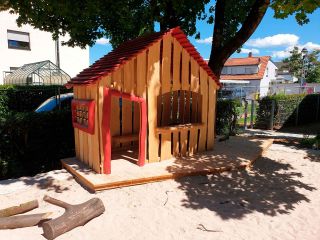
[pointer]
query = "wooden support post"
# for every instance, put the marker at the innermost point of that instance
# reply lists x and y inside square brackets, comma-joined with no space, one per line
[272,114]
[252,114]
[74,216]
[245,113]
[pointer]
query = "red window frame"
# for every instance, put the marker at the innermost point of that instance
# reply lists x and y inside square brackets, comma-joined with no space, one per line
[106,135]
[90,104]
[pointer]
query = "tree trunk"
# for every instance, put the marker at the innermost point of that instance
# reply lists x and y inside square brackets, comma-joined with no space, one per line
[74,216]
[221,52]
[22,208]
[21,221]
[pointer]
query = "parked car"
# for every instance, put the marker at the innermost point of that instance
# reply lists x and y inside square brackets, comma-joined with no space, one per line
[64,101]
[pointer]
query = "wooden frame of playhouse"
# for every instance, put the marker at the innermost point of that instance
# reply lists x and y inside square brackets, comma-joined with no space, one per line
[154,95]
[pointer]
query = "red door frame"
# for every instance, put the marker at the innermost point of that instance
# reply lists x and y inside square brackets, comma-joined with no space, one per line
[106,136]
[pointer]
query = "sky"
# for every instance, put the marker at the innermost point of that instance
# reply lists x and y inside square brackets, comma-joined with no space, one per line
[273,37]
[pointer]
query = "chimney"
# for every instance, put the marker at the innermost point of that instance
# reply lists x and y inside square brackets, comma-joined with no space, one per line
[250,54]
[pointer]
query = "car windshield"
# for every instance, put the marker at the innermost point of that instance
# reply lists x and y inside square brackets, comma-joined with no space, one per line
[53,102]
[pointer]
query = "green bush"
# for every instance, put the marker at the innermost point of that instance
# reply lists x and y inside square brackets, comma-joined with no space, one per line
[25,98]
[32,143]
[285,111]
[227,114]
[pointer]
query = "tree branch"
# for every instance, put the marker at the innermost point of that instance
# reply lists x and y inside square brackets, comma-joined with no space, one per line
[220,55]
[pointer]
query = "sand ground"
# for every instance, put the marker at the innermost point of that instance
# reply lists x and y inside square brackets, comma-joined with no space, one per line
[278,199]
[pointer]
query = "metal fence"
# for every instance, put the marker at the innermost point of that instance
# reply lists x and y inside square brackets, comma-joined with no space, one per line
[255,93]
[274,114]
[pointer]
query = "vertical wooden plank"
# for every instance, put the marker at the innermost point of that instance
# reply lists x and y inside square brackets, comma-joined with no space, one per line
[186,116]
[185,86]
[142,81]
[89,136]
[185,70]
[176,85]
[165,91]
[176,65]
[182,106]
[195,84]
[83,135]
[184,142]
[211,113]
[204,109]
[95,138]
[104,82]
[141,75]
[128,87]
[153,79]
[175,107]
[194,108]
[136,107]
[194,87]
[76,130]
[116,83]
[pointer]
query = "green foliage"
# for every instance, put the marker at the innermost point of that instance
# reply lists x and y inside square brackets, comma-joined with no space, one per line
[226,118]
[25,98]
[32,143]
[307,66]
[311,142]
[301,9]
[86,21]
[285,111]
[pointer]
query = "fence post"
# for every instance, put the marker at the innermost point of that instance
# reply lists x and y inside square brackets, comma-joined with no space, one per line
[297,115]
[245,113]
[252,113]
[318,107]
[272,114]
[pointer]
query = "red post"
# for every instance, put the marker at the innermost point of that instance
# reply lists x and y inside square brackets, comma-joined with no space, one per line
[106,136]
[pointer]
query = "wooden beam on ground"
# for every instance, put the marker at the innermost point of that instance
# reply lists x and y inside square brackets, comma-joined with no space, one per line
[74,216]
[22,208]
[21,221]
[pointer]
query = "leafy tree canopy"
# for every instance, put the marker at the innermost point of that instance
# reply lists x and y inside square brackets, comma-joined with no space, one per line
[304,65]
[85,21]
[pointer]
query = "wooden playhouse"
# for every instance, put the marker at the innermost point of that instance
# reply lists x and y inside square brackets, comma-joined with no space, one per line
[153,97]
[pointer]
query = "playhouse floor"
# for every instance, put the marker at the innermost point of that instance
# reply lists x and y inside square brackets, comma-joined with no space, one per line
[238,152]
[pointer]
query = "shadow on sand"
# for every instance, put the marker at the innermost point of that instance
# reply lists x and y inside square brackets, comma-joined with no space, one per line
[270,188]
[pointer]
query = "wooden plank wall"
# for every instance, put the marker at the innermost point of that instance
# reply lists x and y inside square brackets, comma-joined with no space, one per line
[182,79]
[152,75]
[87,145]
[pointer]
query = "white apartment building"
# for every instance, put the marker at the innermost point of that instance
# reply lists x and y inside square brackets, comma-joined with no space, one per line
[250,76]
[23,45]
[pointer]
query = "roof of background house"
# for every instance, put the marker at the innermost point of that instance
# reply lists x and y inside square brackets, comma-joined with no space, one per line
[283,68]
[248,61]
[130,49]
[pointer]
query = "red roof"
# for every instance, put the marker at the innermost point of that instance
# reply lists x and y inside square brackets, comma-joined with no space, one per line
[242,61]
[262,61]
[130,49]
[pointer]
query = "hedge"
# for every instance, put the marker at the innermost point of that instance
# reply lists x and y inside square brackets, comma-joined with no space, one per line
[227,114]
[285,111]
[25,98]
[31,143]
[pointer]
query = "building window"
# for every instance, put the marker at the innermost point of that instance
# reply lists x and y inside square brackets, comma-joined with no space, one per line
[13,69]
[18,40]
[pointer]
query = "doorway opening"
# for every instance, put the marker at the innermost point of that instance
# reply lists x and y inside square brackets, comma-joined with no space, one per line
[124,127]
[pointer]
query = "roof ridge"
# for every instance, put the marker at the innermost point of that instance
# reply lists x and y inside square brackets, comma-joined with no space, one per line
[131,48]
